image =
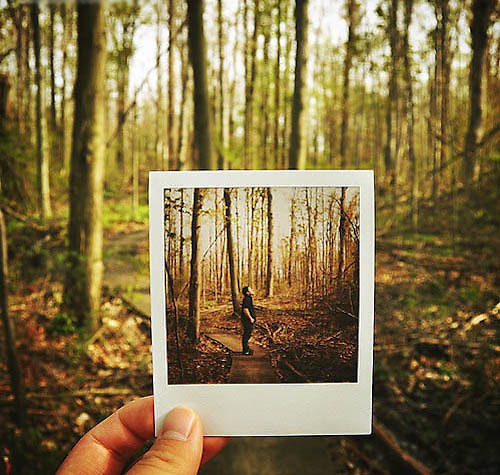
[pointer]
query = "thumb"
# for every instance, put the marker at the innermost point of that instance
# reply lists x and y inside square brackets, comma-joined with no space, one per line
[178,449]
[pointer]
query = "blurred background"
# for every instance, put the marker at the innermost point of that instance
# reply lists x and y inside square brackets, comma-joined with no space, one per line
[94,95]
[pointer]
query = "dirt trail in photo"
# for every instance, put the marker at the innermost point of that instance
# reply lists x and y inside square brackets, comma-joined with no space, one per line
[250,369]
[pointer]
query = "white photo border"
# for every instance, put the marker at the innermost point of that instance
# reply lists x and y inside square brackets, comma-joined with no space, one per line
[267,409]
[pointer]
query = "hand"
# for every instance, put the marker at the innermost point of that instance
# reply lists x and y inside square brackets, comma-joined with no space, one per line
[180,449]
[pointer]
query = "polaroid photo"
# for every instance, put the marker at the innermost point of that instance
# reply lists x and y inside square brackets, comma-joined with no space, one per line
[262,294]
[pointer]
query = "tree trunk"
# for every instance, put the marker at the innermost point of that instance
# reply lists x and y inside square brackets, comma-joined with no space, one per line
[135,169]
[65,130]
[277,90]
[285,146]
[180,136]
[53,114]
[123,81]
[340,260]
[158,151]
[43,182]
[298,134]
[83,282]
[197,51]
[410,116]
[222,135]
[181,233]
[230,251]
[265,100]
[172,160]
[481,16]
[250,74]
[390,146]
[270,270]
[292,240]
[352,18]
[445,39]
[193,329]
[8,328]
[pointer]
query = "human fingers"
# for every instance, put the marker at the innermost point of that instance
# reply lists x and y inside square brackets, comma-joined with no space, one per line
[107,447]
[178,448]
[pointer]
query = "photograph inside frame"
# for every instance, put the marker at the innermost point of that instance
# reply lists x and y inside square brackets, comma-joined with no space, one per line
[262,284]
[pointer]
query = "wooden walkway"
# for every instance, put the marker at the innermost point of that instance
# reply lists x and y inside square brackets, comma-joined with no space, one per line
[247,369]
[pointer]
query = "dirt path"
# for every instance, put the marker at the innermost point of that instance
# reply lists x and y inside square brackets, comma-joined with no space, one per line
[124,272]
[249,369]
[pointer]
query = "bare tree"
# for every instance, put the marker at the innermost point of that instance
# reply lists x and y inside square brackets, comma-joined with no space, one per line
[43,177]
[194,281]
[298,140]
[83,280]
[481,17]
[353,20]
[198,54]
[230,250]
[8,327]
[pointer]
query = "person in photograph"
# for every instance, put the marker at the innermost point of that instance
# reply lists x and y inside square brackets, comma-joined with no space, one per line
[247,318]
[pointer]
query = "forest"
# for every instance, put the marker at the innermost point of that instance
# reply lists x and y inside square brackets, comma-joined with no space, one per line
[298,248]
[93,95]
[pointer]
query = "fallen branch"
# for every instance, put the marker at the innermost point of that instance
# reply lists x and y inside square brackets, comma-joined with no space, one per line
[24,219]
[405,462]
[296,371]
[346,313]
[373,465]
[83,393]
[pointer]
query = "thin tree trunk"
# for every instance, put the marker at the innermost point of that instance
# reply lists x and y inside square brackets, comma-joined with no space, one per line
[65,130]
[83,282]
[170,283]
[340,267]
[481,11]
[222,135]
[265,99]
[277,90]
[216,233]
[250,74]
[53,114]
[197,51]
[13,366]
[172,160]
[285,146]
[230,250]
[352,18]
[390,146]
[181,233]
[298,134]
[410,116]
[43,180]
[158,150]
[180,136]
[270,237]
[194,281]
[135,170]
[292,240]
[445,39]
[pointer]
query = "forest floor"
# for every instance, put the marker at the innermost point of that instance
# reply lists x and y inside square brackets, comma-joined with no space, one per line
[436,378]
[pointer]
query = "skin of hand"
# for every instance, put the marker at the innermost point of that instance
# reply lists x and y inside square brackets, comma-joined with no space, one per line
[180,449]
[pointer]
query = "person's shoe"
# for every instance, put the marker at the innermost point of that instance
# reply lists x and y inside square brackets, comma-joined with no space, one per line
[249,352]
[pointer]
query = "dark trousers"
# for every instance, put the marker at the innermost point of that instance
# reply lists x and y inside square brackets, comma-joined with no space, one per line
[247,333]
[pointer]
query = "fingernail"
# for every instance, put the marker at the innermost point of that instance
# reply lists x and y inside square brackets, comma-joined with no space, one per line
[178,424]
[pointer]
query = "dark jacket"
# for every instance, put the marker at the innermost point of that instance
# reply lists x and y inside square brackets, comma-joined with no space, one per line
[248,303]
